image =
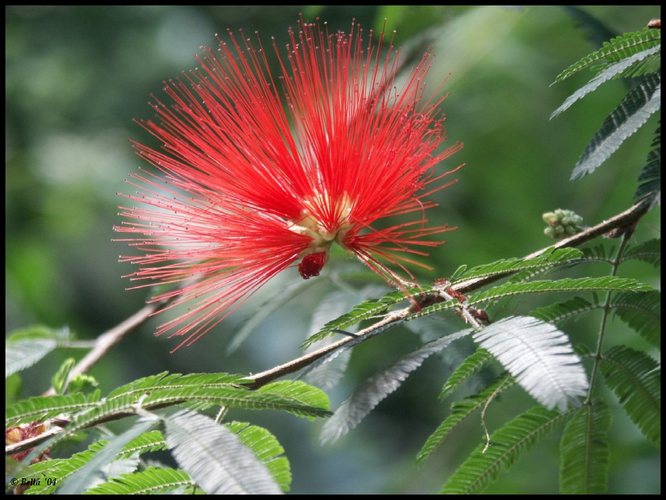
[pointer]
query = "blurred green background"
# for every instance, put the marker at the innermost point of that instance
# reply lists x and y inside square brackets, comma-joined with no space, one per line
[76,78]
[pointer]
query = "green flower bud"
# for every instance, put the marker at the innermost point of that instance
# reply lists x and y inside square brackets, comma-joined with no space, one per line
[550,218]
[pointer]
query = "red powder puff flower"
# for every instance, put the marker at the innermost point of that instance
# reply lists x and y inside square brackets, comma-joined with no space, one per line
[251,185]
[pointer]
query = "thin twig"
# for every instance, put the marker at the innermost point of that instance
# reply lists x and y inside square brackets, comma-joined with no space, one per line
[32,441]
[108,339]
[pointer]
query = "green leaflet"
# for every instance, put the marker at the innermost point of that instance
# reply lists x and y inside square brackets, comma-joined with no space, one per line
[176,380]
[649,180]
[150,481]
[298,397]
[364,310]
[539,356]
[215,457]
[267,449]
[40,408]
[147,442]
[549,259]
[610,72]
[636,107]
[59,468]
[366,397]
[264,445]
[25,347]
[62,468]
[604,283]
[635,378]
[466,369]
[599,253]
[59,379]
[165,389]
[642,312]
[85,476]
[461,410]
[507,444]
[614,50]
[584,450]
[648,251]
[562,311]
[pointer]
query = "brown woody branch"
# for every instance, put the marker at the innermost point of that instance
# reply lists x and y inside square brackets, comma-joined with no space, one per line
[615,226]
[618,223]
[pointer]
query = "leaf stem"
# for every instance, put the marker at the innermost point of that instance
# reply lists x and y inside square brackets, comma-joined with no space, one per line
[615,264]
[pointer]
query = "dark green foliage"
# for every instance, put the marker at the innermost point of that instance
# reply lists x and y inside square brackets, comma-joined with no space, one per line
[607,74]
[635,379]
[60,468]
[506,445]
[649,181]
[648,251]
[642,312]
[584,450]
[86,475]
[461,410]
[562,311]
[267,449]
[466,369]
[147,442]
[636,54]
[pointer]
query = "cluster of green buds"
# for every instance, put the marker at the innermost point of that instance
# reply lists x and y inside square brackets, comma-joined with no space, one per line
[562,223]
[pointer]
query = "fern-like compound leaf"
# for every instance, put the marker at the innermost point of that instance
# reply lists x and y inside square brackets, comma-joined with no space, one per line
[649,180]
[540,358]
[153,480]
[620,47]
[609,73]
[584,450]
[635,378]
[352,411]
[506,445]
[638,105]
[215,457]
[460,410]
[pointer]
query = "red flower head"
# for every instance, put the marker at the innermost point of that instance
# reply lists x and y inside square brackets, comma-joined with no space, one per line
[251,186]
